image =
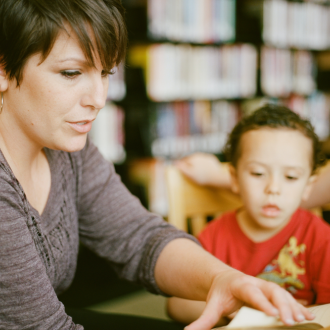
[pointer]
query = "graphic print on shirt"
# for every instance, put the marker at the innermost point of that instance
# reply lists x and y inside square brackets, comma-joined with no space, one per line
[286,268]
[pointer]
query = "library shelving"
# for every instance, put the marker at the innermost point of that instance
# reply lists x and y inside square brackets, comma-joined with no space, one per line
[108,129]
[191,67]
[194,67]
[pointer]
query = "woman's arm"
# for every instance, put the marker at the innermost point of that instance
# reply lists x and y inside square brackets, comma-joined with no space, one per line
[145,249]
[186,270]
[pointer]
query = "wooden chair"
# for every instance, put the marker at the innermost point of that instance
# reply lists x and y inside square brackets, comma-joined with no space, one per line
[189,200]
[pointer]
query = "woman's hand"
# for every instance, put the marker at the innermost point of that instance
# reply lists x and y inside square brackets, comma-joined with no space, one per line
[231,288]
[205,169]
[185,270]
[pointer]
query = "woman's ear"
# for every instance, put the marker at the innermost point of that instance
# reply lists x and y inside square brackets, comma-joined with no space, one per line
[3,80]
[234,179]
[308,188]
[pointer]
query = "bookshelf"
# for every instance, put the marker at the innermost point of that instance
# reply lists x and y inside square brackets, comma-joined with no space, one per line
[194,67]
[195,21]
[108,129]
[191,68]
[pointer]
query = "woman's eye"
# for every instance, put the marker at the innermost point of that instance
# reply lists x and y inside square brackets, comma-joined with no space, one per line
[257,173]
[70,74]
[106,73]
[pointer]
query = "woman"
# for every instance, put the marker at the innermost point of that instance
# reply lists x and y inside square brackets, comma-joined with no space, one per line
[56,189]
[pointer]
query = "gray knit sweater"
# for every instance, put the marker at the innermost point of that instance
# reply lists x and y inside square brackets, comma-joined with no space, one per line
[38,254]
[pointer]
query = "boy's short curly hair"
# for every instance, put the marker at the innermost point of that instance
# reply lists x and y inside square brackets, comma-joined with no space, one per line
[273,116]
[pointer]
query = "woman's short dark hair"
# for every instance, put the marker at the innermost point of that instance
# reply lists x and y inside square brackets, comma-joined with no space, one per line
[273,116]
[28,27]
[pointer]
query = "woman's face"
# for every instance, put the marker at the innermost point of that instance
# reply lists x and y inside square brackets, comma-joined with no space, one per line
[57,100]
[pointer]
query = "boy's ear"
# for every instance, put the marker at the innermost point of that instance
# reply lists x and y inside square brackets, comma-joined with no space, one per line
[308,187]
[3,80]
[234,179]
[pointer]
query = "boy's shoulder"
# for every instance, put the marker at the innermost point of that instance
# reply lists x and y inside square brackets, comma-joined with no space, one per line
[310,217]
[312,225]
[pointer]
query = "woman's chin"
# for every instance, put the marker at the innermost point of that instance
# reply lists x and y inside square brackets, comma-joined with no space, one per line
[73,145]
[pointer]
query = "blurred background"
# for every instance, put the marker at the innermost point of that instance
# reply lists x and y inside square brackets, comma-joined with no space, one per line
[193,69]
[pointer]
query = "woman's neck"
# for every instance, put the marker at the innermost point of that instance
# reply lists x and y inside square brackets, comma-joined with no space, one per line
[20,151]
[29,164]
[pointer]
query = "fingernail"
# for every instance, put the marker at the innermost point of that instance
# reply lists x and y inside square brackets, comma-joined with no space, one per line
[275,311]
[301,318]
[289,321]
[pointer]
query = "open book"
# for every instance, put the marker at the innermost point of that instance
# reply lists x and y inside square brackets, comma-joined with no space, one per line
[248,318]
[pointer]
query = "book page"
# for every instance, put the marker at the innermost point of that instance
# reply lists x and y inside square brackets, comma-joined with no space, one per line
[322,314]
[248,317]
[251,318]
[300,326]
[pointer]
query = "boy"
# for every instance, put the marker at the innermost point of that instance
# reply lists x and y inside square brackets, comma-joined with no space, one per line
[274,155]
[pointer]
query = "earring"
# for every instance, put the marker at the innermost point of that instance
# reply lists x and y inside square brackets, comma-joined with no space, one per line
[1,103]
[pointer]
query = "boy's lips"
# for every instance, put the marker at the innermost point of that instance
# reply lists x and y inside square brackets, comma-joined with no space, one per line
[270,211]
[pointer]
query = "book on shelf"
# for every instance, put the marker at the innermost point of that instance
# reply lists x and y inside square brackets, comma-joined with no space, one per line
[196,21]
[180,72]
[315,108]
[150,173]
[107,133]
[248,318]
[296,24]
[180,128]
[117,86]
[284,72]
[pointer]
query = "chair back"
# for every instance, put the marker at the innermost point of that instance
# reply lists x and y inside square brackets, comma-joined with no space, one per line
[188,200]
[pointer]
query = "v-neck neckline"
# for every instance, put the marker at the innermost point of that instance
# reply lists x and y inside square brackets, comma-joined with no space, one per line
[51,169]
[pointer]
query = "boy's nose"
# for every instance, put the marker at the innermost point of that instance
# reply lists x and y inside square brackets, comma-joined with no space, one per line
[273,186]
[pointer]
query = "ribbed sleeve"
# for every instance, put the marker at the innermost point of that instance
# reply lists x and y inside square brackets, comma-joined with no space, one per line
[115,225]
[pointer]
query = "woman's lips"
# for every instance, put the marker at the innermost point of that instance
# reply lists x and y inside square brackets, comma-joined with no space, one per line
[81,127]
[270,211]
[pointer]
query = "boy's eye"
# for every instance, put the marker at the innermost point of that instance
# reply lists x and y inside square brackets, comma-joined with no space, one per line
[257,173]
[70,74]
[291,177]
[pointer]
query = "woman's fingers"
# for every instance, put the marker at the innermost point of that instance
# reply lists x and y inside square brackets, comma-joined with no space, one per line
[233,289]
[299,312]
[290,311]
[210,316]
[308,315]
[302,302]
[258,296]
[271,299]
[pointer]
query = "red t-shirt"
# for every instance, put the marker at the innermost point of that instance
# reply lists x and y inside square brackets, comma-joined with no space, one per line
[297,258]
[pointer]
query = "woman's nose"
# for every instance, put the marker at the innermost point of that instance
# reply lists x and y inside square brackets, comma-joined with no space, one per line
[97,92]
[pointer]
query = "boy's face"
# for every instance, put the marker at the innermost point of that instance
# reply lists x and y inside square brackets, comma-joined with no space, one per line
[272,175]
